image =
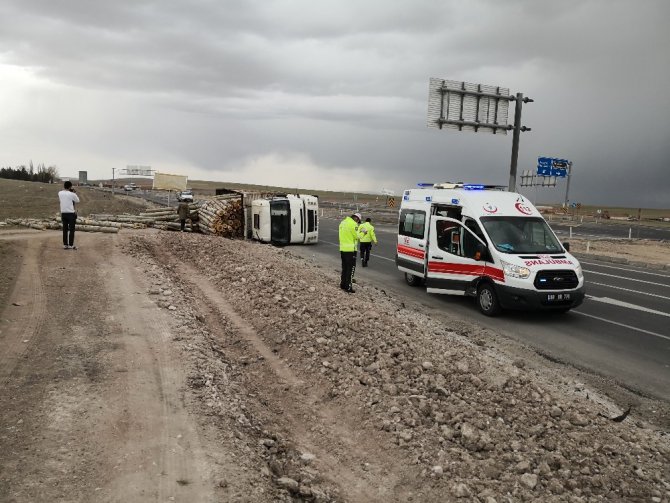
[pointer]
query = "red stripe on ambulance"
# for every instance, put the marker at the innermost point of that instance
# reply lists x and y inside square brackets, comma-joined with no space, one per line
[466,269]
[412,252]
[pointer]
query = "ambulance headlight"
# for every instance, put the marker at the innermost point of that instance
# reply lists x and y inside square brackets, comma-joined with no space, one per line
[580,273]
[515,271]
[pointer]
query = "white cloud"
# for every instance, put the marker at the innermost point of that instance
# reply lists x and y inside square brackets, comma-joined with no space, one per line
[336,88]
[299,171]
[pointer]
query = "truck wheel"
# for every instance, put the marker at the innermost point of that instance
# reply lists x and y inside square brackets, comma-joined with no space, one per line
[413,280]
[487,300]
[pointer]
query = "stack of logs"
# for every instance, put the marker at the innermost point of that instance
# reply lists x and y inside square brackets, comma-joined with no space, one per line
[222,216]
[159,218]
[83,224]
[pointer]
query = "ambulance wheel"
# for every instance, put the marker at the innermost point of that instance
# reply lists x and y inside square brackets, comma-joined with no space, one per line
[487,300]
[413,280]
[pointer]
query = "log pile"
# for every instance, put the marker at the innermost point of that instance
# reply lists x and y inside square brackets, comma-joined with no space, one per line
[40,224]
[159,218]
[222,216]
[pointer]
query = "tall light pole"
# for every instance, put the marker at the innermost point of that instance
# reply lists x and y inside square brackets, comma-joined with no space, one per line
[516,135]
[567,184]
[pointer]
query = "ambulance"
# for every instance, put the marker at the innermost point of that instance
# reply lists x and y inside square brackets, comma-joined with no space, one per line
[481,241]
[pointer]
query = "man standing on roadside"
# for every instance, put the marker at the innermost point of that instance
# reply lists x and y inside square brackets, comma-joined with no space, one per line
[68,216]
[183,212]
[366,233]
[348,242]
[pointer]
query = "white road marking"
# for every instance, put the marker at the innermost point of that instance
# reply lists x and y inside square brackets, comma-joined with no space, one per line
[629,290]
[625,269]
[622,325]
[628,279]
[372,254]
[621,303]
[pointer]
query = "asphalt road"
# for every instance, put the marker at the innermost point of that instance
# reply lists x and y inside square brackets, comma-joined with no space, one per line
[620,332]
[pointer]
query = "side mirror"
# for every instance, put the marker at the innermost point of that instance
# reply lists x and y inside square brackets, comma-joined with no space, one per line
[566,246]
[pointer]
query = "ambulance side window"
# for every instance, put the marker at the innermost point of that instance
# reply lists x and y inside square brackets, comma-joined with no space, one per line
[469,242]
[412,223]
[449,237]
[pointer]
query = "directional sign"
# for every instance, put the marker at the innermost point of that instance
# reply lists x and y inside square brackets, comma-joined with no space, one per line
[551,166]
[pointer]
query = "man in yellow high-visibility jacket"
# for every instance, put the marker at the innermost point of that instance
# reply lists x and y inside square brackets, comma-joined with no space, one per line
[366,235]
[348,244]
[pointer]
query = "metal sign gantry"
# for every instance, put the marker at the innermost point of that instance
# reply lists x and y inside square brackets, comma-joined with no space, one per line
[479,108]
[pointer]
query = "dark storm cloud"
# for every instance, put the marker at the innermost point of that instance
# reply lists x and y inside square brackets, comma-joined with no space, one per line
[211,84]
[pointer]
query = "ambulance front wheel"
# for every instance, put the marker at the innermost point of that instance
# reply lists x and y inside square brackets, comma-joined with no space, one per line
[413,280]
[487,300]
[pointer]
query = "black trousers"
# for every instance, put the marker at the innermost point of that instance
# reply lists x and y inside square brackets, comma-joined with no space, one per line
[183,223]
[348,269]
[365,251]
[68,220]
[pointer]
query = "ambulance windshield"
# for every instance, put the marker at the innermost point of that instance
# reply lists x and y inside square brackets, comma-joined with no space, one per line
[521,235]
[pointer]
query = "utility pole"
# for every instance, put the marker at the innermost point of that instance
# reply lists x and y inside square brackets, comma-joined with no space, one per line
[567,184]
[516,135]
[112,181]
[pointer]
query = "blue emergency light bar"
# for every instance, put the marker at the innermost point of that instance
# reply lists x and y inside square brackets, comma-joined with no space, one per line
[425,184]
[473,186]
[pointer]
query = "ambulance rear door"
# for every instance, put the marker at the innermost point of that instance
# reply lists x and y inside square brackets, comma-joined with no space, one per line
[411,248]
[455,257]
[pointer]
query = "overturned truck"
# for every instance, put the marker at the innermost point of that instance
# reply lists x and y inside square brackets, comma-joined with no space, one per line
[280,219]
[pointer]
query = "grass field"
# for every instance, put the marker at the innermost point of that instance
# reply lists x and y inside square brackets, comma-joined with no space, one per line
[19,199]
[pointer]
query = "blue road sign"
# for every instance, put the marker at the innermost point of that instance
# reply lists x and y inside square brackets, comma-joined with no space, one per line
[551,166]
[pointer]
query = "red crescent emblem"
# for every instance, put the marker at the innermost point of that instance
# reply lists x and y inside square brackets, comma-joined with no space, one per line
[523,208]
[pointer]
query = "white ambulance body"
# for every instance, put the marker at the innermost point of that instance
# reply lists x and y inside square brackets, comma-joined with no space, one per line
[483,242]
[286,219]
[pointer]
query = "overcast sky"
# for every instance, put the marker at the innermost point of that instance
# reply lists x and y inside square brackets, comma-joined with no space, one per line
[333,94]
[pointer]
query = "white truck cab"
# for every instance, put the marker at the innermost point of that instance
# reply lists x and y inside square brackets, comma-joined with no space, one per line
[285,219]
[478,240]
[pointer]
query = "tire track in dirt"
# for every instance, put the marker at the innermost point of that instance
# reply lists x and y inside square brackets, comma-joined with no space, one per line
[160,426]
[24,314]
[337,441]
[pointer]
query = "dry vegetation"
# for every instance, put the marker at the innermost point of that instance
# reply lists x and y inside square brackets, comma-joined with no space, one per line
[40,200]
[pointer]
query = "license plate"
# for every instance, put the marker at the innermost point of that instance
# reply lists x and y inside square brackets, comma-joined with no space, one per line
[558,297]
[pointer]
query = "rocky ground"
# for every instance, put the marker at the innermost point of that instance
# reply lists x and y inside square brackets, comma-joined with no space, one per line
[392,406]
[269,383]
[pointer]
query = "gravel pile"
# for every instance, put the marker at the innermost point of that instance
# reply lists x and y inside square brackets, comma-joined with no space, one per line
[476,424]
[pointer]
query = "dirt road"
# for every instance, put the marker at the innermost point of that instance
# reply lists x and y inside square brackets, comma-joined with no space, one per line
[175,367]
[93,393]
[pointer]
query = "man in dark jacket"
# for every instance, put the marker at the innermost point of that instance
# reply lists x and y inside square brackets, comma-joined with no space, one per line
[182,210]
